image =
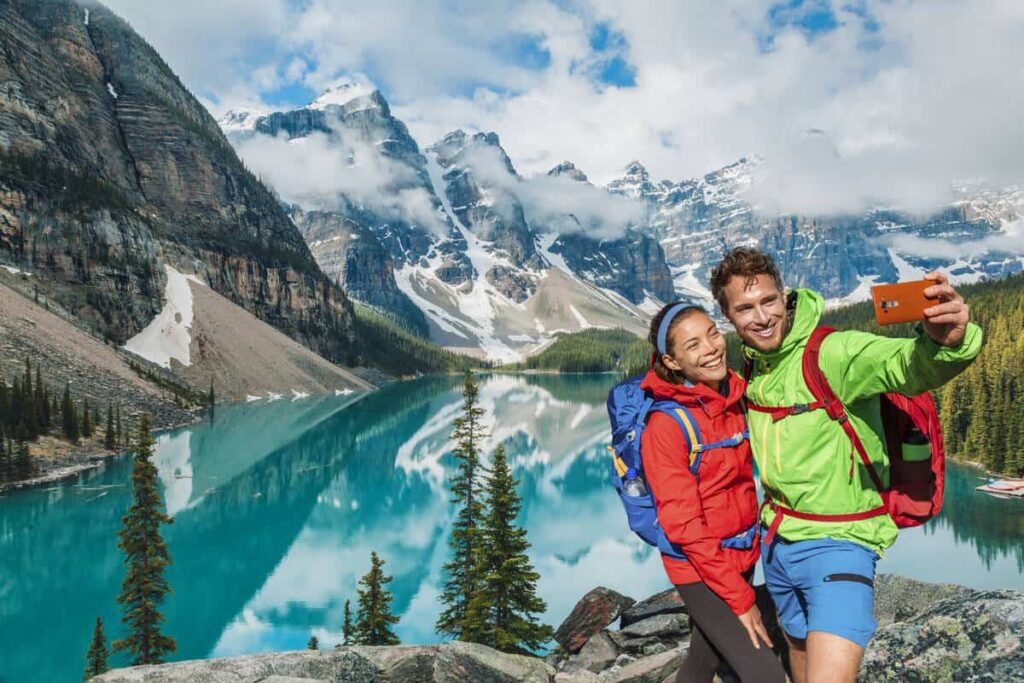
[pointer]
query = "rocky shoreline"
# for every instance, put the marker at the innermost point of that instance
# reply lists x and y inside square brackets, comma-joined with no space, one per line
[927,633]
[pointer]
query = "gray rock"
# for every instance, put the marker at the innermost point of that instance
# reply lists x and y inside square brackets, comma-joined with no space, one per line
[659,625]
[898,598]
[665,602]
[973,636]
[597,655]
[293,679]
[651,669]
[453,662]
[592,613]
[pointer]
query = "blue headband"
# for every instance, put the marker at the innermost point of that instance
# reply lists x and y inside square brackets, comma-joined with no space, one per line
[665,323]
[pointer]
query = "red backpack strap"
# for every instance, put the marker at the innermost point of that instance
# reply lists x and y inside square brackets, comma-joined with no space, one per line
[822,391]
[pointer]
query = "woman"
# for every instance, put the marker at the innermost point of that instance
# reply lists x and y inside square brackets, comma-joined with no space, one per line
[697,510]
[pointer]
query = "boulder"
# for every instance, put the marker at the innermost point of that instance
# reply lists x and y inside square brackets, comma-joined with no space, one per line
[597,655]
[453,662]
[973,636]
[666,602]
[594,612]
[660,625]
[653,669]
[898,598]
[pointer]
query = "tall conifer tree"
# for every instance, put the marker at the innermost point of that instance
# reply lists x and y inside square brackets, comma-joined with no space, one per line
[461,572]
[503,612]
[96,657]
[346,626]
[374,618]
[69,416]
[109,438]
[146,558]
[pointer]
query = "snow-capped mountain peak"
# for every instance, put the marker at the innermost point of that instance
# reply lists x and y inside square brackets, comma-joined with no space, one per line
[239,120]
[342,93]
[569,169]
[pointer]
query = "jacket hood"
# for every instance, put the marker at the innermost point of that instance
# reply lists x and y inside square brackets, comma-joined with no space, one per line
[807,308]
[696,395]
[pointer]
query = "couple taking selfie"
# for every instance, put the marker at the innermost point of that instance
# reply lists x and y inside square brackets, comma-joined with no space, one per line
[813,409]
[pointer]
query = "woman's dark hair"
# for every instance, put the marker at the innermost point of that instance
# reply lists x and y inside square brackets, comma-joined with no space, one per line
[660,369]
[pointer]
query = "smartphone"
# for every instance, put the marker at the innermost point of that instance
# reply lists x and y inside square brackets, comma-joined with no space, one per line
[902,302]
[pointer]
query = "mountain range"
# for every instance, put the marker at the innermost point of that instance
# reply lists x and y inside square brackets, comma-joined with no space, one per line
[454,242]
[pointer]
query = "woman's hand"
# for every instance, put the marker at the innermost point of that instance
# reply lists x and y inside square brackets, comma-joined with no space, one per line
[751,620]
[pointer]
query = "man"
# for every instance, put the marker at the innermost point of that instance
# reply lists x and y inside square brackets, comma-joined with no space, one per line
[821,574]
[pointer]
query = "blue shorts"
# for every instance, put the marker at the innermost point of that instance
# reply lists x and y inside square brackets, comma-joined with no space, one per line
[822,585]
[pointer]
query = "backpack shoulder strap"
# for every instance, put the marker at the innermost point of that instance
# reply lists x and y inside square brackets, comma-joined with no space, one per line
[822,391]
[688,426]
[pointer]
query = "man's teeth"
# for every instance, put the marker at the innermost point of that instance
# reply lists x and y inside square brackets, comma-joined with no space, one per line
[767,332]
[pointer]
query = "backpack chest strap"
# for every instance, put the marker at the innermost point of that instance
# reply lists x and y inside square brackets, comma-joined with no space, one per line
[779,412]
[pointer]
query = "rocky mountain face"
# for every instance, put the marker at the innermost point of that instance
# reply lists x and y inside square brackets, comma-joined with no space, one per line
[443,239]
[110,168]
[697,220]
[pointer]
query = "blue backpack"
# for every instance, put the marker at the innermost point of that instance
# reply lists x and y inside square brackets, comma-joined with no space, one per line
[628,408]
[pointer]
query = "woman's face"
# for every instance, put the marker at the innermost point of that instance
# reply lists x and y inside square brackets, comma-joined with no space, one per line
[696,349]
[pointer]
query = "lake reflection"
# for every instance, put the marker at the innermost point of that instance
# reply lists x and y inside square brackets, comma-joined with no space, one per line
[277,507]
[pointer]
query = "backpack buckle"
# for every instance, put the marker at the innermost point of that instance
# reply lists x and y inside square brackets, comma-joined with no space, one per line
[800,409]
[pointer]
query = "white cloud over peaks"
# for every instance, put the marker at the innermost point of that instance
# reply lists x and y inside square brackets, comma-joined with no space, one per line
[322,171]
[911,94]
[555,203]
[1010,240]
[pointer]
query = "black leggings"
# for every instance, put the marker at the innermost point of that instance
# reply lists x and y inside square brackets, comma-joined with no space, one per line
[716,635]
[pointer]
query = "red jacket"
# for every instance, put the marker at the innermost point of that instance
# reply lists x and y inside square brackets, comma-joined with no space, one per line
[694,513]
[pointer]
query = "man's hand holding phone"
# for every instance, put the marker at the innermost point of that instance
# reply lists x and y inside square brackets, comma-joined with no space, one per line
[946,320]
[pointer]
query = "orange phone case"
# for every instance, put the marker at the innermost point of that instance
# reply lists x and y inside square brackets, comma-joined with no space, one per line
[902,302]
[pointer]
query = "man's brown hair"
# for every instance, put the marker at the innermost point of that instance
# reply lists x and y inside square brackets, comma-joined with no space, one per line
[744,262]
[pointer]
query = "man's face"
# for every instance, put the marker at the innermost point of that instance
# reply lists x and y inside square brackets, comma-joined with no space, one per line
[757,309]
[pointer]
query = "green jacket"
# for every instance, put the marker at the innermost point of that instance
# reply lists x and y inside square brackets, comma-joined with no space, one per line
[804,460]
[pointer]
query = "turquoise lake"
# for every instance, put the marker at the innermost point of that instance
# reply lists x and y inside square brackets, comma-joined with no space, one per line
[277,507]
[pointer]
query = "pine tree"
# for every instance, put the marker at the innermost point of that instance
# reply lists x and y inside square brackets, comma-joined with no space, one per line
[69,416]
[6,465]
[502,614]
[313,643]
[211,398]
[23,466]
[96,657]
[109,438]
[117,424]
[461,572]
[86,420]
[146,558]
[346,626]
[374,618]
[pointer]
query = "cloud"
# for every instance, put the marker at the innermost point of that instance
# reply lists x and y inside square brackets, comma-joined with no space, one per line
[333,171]
[1009,241]
[554,203]
[911,94]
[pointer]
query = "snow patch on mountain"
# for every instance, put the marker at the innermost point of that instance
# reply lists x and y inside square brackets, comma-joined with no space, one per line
[861,293]
[480,301]
[169,335]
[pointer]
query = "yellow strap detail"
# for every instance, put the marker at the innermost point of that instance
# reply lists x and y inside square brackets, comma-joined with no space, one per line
[620,466]
[690,433]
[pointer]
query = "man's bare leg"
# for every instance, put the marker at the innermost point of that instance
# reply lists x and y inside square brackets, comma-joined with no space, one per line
[797,658]
[830,659]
